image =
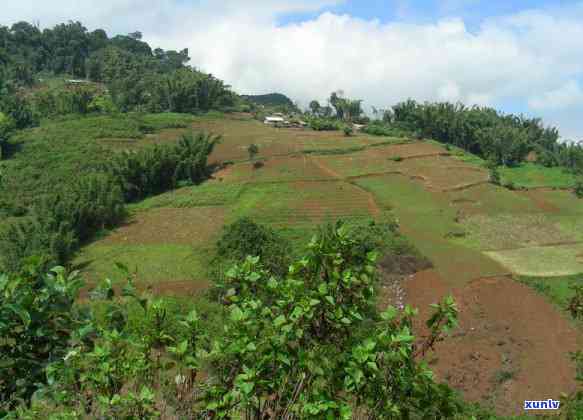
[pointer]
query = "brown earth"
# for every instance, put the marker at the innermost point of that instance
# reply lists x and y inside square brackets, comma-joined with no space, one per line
[443,173]
[405,151]
[538,199]
[511,344]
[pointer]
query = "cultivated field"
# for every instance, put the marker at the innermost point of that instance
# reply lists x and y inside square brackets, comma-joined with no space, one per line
[477,235]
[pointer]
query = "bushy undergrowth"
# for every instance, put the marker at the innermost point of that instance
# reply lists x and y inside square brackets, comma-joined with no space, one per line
[325,124]
[245,237]
[378,128]
[71,210]
[308,344]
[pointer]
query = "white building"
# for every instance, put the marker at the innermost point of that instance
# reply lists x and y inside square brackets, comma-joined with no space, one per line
[274,120]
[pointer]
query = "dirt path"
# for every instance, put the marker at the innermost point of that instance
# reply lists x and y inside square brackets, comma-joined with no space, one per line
[511,344]
[464,187]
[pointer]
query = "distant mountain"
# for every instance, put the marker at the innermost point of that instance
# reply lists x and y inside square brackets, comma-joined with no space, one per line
[270,99]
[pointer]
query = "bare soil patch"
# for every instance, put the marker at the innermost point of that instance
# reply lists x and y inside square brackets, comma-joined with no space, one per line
[511,344]
[443,173]
[169,225]
[538,198]
[405,151]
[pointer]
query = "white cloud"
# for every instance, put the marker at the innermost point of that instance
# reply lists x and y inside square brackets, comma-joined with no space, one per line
[508,59]
[568,95]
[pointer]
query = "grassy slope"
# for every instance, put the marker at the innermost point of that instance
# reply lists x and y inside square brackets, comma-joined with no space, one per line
[308,177]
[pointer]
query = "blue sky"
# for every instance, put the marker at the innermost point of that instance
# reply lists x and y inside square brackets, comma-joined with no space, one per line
[518,56]
[472,11]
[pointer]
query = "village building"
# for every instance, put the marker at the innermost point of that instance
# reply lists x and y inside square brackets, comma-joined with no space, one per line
[274,120]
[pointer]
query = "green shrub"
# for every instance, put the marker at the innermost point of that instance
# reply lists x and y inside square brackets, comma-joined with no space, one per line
[378,128]
[245,237]
[312,344]
[37,320]
[325,124]
[348,130]
[494,175]
[160,168]
[579,188]
[576,302]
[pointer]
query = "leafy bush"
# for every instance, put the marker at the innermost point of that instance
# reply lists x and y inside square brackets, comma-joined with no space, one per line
[576,302]
[579,187]
[252,150]
[379,128]
[348,130]
[48,103]
[6,126]
[325,124]
[245,237]
[307,344]
[312,345]
[37,321]
[494,174]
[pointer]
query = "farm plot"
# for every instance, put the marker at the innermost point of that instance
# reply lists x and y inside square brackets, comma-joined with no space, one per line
[278,169]
[164,244]
[542,261]
[239,133]
[441,173]
[378,160]
[490,199]
[428,220]
[510,231]
[213,192]
[305,203]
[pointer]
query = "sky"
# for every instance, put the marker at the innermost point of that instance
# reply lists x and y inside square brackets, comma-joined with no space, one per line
[518,56]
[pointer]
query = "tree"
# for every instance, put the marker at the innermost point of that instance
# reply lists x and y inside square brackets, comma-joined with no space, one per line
[6,125]
[252,150]
[579,187]
[315,107]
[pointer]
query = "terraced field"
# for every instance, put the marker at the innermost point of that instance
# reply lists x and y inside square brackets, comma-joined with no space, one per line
[477,235]
[468,227]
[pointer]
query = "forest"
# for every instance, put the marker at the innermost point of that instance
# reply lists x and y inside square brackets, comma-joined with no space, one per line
[280,333]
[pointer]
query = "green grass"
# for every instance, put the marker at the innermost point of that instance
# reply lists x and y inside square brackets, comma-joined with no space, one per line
[556,289]
[491,199]
[565,201]
[155,263]
[503,231]
[427,220]
[546,261]
[210,193]
[531,175]
[460,154]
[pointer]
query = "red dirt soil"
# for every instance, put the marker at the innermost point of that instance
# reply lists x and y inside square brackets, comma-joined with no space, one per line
[537,197]
[504,327]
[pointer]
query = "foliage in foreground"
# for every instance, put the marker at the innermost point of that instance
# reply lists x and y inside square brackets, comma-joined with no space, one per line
[310,344]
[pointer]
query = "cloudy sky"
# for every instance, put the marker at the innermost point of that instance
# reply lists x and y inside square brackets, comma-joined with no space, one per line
[519,56]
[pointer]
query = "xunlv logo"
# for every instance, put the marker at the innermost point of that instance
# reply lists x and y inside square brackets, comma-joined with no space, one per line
[542,405]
